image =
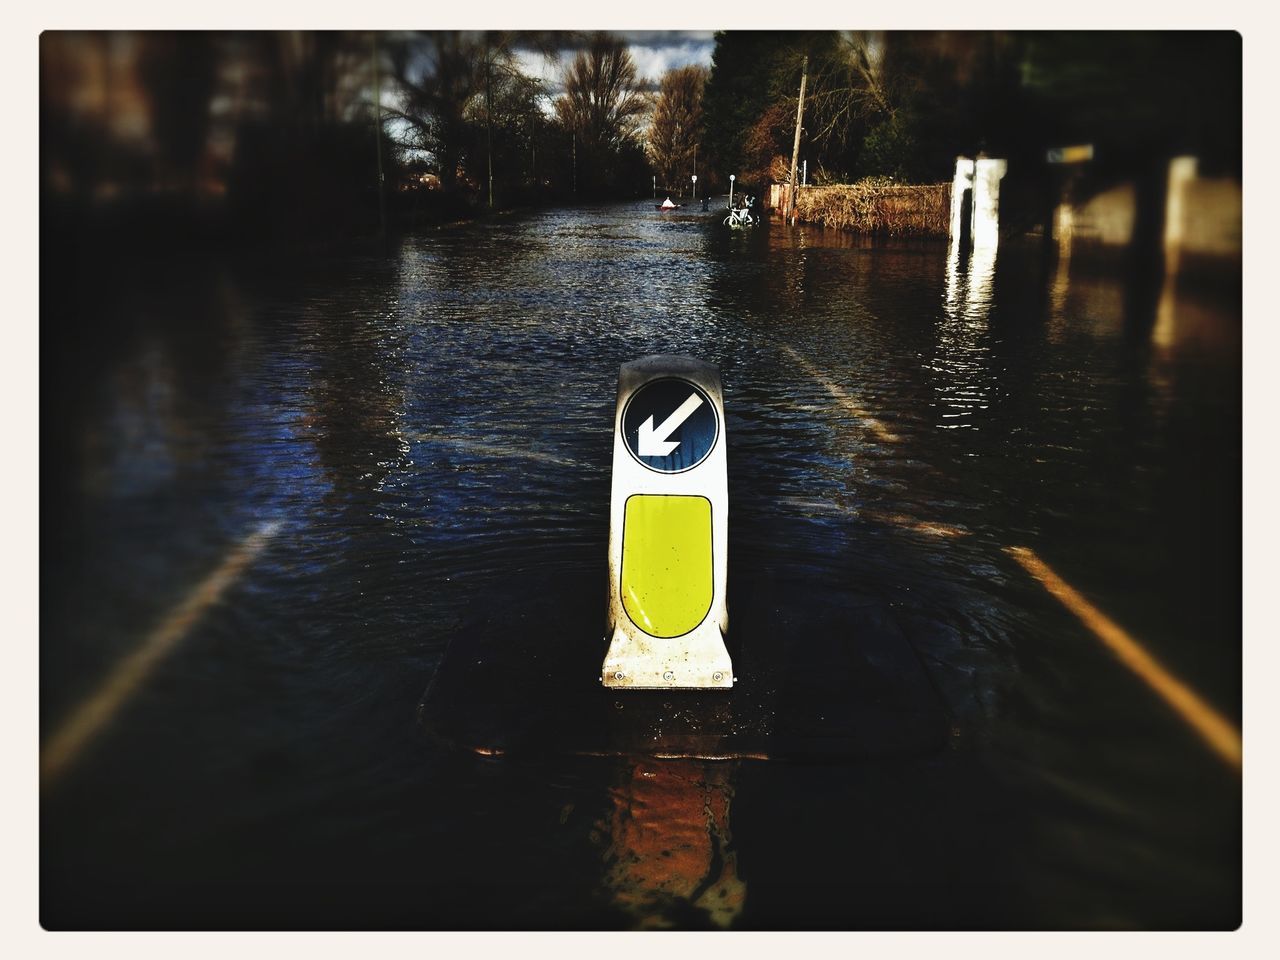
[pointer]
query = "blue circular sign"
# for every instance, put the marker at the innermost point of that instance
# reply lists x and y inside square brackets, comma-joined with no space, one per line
[670,425]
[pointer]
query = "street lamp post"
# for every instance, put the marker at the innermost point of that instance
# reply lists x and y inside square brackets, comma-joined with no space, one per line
[695,186]
[732,177]
[377,138]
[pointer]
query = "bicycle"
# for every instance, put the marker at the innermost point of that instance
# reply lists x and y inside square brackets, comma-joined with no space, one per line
[742,216]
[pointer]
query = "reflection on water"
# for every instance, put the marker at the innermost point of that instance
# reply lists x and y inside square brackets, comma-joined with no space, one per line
[962,358]
[670,859]
[431,428]
[1184,318]
[971,275]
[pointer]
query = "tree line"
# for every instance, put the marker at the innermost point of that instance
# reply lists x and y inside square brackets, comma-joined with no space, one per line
[304,131]
[905,104]
[476,126]
[899,105]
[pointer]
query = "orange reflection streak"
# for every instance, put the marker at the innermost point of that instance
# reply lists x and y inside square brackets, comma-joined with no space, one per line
[94,713]
[1215,729]
[927,527]
[670,847]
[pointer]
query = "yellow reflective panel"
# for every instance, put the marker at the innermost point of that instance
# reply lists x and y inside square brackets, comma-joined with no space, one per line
[666,563]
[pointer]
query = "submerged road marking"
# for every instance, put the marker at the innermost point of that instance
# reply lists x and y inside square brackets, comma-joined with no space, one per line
[926,527]
[93,714]
[496,449]
[1216,730]
[877,427]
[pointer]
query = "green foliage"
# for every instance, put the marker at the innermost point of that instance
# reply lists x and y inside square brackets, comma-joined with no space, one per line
[745,85]
[889,150]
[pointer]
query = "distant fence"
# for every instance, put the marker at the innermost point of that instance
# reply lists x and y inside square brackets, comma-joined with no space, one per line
[895,210]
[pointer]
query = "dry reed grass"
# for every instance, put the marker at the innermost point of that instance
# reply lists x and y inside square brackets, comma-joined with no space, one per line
[878,206]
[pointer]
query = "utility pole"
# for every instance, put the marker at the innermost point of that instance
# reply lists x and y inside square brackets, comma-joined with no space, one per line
[795,150]
[533,138]
[377,134]
[488,109]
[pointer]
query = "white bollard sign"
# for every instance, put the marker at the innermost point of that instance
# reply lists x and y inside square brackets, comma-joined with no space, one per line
[668,529]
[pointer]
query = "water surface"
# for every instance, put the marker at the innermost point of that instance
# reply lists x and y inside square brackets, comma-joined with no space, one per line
[431,430]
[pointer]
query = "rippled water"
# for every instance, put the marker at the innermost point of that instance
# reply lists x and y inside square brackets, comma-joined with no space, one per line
[431,431]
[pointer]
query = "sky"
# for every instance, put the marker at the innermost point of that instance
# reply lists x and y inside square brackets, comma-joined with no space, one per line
[654,53]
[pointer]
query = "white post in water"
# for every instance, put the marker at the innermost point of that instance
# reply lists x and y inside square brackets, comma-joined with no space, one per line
[981,178]
[962,182]
[695,186]
[987,175]
[668,529]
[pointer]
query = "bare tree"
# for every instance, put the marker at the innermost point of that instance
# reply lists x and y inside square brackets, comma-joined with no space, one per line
[603,103]
[850,89]
[677,119]
[467,103]
[438,80]
[510,97]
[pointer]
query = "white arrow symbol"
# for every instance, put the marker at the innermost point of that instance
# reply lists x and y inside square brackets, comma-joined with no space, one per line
[654,442]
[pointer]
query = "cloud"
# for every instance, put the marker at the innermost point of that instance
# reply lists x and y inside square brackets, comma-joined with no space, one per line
[654,52]
[653,60]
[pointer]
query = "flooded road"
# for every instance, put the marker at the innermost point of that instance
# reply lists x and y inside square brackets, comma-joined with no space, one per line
[274,499]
